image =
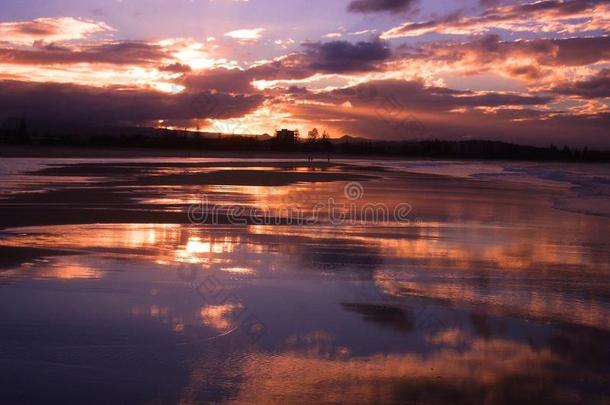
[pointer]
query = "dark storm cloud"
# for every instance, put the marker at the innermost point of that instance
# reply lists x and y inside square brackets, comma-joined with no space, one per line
[62,104]
[414,95]
[240,81]
[597,86]
[328,57]
[343,56]
[581,51]
[376,6]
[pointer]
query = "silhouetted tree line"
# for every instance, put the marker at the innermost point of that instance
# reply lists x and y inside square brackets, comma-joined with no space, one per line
[314,143]
[14,130]
[472,149]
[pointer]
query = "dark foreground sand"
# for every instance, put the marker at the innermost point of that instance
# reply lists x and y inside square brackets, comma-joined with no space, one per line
[112,192]
[83,152]
[116,192]
[11,257]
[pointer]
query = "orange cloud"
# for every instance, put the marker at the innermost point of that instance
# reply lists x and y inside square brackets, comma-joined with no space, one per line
[49,30]
[543,16]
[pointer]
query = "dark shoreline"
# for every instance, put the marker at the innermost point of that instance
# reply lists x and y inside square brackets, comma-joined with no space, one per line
[92,152]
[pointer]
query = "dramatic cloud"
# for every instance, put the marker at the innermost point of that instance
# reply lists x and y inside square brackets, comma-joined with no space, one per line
[49,30]
[73,72]
[408,110]
[109,63]
[536,61]
[414,95]
[68,104]
[542,16]
[120,53]
[329,58]
[597,86]
[376,6]
[342,56]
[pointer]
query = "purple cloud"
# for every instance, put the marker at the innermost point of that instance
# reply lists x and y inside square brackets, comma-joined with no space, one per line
[377,6]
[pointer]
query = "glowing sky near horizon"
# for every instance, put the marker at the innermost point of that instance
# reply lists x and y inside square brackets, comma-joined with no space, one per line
[518,71]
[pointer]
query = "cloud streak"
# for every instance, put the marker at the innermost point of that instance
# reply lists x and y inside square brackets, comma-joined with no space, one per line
[544,16]
[50,30]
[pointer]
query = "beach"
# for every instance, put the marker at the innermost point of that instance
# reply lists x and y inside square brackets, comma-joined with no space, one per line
[276,280]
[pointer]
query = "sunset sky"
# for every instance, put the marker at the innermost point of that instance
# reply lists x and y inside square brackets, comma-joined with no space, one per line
[518,71]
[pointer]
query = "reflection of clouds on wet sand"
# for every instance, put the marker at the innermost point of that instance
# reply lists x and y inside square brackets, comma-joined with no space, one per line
[486,371]
[234,250]
[488,295]
[220,317]
[511,270]
[515,271]
[449,338]
[65,268]
[528,298]
[69,271]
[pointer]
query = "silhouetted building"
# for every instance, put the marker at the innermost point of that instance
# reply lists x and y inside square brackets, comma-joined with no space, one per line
[286,136]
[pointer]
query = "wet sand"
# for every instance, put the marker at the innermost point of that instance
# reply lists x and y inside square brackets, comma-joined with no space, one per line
[483,291]
[16,256]
[112,193]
